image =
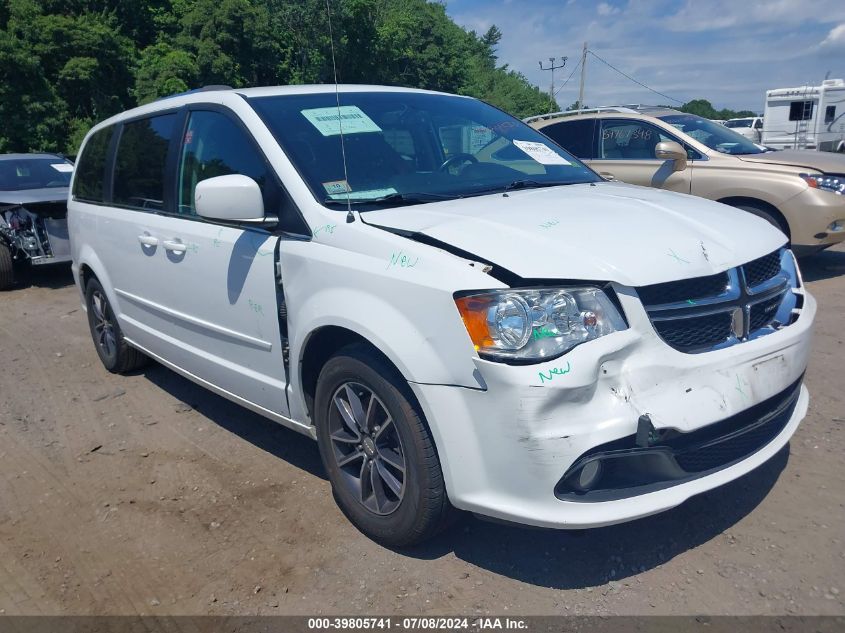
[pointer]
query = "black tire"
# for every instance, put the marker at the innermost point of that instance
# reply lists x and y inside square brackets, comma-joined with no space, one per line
[421,508]
[7,270]
[115,353]
[766,214]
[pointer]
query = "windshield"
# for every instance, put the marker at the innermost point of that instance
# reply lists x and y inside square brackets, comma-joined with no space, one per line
[19,174]
[413,147]
[739,123]
[713,135]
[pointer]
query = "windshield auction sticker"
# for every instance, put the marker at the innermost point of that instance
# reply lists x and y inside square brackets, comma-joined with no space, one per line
[329,120]
[541,152]
[370,194]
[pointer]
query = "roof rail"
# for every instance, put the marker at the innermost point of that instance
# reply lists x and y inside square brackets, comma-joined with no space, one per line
[554,115]
[195,90]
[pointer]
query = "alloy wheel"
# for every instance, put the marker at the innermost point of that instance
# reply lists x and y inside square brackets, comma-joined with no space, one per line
[103,324]
[367,448]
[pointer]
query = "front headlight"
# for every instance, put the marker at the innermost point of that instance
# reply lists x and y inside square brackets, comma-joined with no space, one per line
[826,182]
[537,324]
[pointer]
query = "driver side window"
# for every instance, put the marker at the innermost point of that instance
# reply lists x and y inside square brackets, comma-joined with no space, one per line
[215,146]
[629,140]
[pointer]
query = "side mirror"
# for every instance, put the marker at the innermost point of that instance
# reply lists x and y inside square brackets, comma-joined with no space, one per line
[670,150]
[233,198]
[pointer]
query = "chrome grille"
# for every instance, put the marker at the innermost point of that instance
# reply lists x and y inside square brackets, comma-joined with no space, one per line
[710,329]
[705,313]
[762,269]
[684,290]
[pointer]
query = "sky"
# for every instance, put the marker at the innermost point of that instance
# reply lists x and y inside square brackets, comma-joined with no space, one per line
[726,51]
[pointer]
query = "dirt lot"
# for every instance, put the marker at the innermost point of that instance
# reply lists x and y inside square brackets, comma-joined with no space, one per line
[147,494]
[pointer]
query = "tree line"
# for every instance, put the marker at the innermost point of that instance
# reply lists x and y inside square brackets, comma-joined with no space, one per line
[699,107]
[66,64]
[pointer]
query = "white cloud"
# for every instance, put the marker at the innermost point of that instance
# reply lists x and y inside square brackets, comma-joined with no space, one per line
[605,9]
[722,14]
[732,66]
[835,39]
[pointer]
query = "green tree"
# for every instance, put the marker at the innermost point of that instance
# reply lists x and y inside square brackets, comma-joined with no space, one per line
[703,108]
[66,64]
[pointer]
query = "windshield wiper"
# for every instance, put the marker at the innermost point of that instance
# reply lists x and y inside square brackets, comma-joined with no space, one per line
[394,198]
[526,183]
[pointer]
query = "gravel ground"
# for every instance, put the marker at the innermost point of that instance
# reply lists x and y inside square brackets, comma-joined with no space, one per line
[146,494]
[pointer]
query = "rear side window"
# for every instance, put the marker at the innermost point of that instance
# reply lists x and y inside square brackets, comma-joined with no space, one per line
[140,163]
[574,136]
[215,145]
[800,110]
[91,167]
[830,114]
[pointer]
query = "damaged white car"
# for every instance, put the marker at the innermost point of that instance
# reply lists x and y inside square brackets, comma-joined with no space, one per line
[33,212]
[461,313]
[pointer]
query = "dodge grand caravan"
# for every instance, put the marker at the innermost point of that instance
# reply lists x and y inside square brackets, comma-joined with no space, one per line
[461,313]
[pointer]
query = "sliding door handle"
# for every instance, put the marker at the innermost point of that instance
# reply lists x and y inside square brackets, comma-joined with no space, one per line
[175,246]
[148,240]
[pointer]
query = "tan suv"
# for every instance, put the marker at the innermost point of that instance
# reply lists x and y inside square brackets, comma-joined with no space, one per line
[801,192]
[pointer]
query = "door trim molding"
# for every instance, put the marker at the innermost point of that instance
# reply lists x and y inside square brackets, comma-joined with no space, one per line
[197,323]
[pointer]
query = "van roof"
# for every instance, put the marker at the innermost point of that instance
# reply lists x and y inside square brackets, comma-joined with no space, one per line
[212,93]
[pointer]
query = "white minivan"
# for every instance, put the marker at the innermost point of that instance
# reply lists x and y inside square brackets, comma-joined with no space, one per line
[461,313]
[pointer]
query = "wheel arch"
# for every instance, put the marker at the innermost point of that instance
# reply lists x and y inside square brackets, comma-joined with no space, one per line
[762,205]
[320,345]
[90,267]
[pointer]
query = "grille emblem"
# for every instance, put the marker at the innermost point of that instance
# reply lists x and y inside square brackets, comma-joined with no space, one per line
[738,322]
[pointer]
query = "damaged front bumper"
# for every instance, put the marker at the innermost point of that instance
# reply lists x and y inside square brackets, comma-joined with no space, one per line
[36,232]
[513,449]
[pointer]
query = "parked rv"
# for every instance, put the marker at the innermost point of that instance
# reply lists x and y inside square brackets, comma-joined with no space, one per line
[750,127]
[807,117]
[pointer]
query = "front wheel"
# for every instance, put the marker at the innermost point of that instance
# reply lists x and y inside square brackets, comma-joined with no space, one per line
[378,451]
[7,271]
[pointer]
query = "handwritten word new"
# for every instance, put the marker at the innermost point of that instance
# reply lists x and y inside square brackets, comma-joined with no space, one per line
[402,260]
[544,332]
[555,371]
[549,224]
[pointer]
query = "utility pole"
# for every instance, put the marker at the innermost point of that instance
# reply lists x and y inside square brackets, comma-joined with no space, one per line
[583,78]
[553,68]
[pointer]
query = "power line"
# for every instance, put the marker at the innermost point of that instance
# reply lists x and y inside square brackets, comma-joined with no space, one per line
[567,79]
[639,83]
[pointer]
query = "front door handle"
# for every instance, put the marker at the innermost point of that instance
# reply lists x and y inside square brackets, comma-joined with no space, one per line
[175,246]
[148,240]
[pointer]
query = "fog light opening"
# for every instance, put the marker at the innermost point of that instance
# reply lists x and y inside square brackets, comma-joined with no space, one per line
[588,476]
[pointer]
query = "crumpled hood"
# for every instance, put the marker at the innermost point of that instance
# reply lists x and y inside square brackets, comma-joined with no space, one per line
[826,162]
[605,232]
[30,196]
